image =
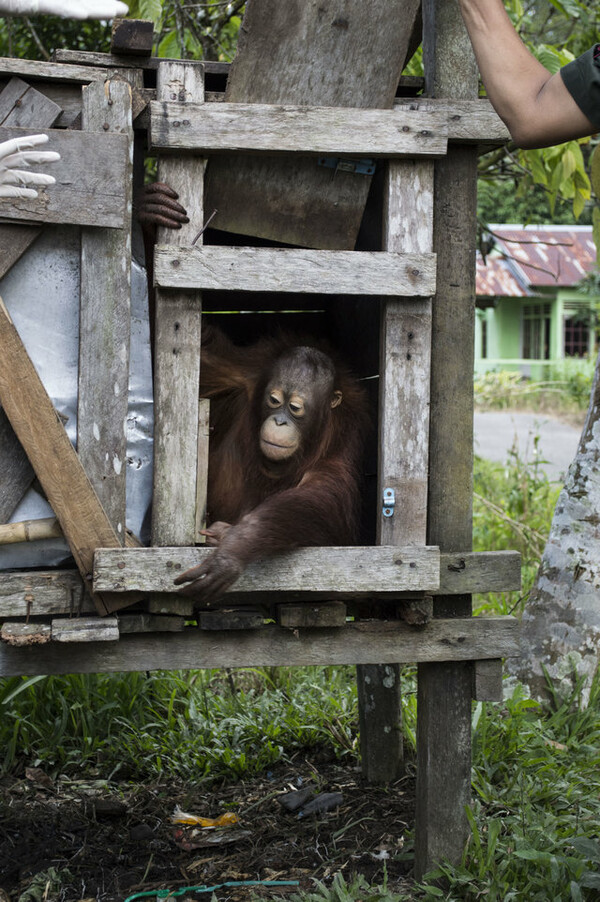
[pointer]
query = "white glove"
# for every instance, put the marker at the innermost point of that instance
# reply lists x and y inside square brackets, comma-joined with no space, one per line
[16,182]
[69,9]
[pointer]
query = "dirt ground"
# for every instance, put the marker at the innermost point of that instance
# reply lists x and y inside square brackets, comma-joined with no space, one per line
[109,841]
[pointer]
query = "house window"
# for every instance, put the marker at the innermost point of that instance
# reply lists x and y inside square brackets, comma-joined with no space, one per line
[536,332]
[576,332]
[484,339]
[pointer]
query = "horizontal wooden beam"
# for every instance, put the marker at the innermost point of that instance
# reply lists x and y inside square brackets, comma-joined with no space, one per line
[469,121]
[479,572]
[256,127]
[309,572]
[478,638]
[261,269]
[90,178]
[39,70]
[41,593]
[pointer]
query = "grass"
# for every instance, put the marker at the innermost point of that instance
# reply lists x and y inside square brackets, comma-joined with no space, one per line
[565,392]
[535,816]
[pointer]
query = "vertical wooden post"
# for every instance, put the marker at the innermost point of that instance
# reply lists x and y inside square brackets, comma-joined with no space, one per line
[444,693]
[177,340]
[403,445]
[104,323]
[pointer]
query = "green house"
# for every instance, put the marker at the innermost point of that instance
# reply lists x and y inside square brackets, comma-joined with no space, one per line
[531,311]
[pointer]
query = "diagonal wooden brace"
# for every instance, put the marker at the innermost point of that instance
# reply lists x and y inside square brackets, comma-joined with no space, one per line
[51,454]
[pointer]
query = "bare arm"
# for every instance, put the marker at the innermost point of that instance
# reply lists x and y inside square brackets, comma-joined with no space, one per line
[536,106]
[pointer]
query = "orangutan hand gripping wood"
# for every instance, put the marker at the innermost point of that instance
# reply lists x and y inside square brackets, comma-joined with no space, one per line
[286,447]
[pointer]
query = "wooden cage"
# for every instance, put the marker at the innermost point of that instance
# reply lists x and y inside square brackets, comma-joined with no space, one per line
[403,599]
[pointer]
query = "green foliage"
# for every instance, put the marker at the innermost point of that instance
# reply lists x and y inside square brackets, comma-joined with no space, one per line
[537,804]
[566,391]
[513,506]
[174,723]
[356,889]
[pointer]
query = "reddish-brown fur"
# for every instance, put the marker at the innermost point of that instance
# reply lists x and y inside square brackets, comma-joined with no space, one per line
[310,499]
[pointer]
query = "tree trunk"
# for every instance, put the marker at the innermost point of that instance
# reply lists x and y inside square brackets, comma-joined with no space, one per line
[561,625]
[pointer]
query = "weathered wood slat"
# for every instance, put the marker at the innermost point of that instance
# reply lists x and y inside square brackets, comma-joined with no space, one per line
[21,106]
[316,571]
[327,54]
[177,344]
[90,184]
[38,69]
[16,473]
[61,591]
[479,572]
[231,127]
[43,436]
[85,629]
[440,640]
[405,349]
[24,634]
[104,320]
[468,121]
[263,269]
[43,592]
[444,690]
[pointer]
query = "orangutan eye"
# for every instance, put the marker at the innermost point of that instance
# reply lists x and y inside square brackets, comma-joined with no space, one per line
[274,400]
[297,408]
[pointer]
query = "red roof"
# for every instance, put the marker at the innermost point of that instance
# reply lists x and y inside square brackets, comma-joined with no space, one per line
[526,258]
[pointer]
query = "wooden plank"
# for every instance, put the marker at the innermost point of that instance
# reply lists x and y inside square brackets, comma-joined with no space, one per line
[21,106]
[193,649]
[90,186]
[261,269]
[23,634]
[328,613]
[477,572]
[316,130]
[104,321]
[405,348]
[444,692]
[227,619]
[43,592]
[487,681]
[318,572]
[468,121]
[16,473]
[150,623]
[60,72]
[86,629]
[328,54]
[42,434]
[132,37]
[14,241]
[177,344]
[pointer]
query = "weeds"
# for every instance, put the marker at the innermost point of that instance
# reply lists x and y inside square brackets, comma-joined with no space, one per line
[565,392]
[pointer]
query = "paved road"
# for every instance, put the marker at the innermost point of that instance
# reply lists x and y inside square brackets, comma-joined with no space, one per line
[497,431]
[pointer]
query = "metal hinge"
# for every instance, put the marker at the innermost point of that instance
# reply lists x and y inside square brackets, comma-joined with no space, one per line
[360,167]
[389,502]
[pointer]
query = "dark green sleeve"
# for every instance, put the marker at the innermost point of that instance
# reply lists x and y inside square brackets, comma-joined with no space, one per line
[582,78]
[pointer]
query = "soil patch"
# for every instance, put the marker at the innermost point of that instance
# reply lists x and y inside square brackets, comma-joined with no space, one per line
[107,841]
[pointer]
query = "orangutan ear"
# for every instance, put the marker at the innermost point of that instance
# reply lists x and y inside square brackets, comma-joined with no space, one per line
[337,399]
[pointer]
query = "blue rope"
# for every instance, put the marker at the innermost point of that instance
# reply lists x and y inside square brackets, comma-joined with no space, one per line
[163,894]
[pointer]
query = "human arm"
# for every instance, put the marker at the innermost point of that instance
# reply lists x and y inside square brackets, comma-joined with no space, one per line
[69,9]
[16,156]
[536,106]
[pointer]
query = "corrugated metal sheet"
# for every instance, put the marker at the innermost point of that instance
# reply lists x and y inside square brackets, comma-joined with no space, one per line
[551,256]
[495,279]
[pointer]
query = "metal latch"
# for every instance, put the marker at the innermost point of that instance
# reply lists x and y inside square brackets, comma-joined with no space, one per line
[389,502]
[360,167]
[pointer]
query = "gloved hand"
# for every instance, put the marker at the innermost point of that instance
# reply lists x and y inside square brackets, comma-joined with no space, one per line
[69,9]
[16,181]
